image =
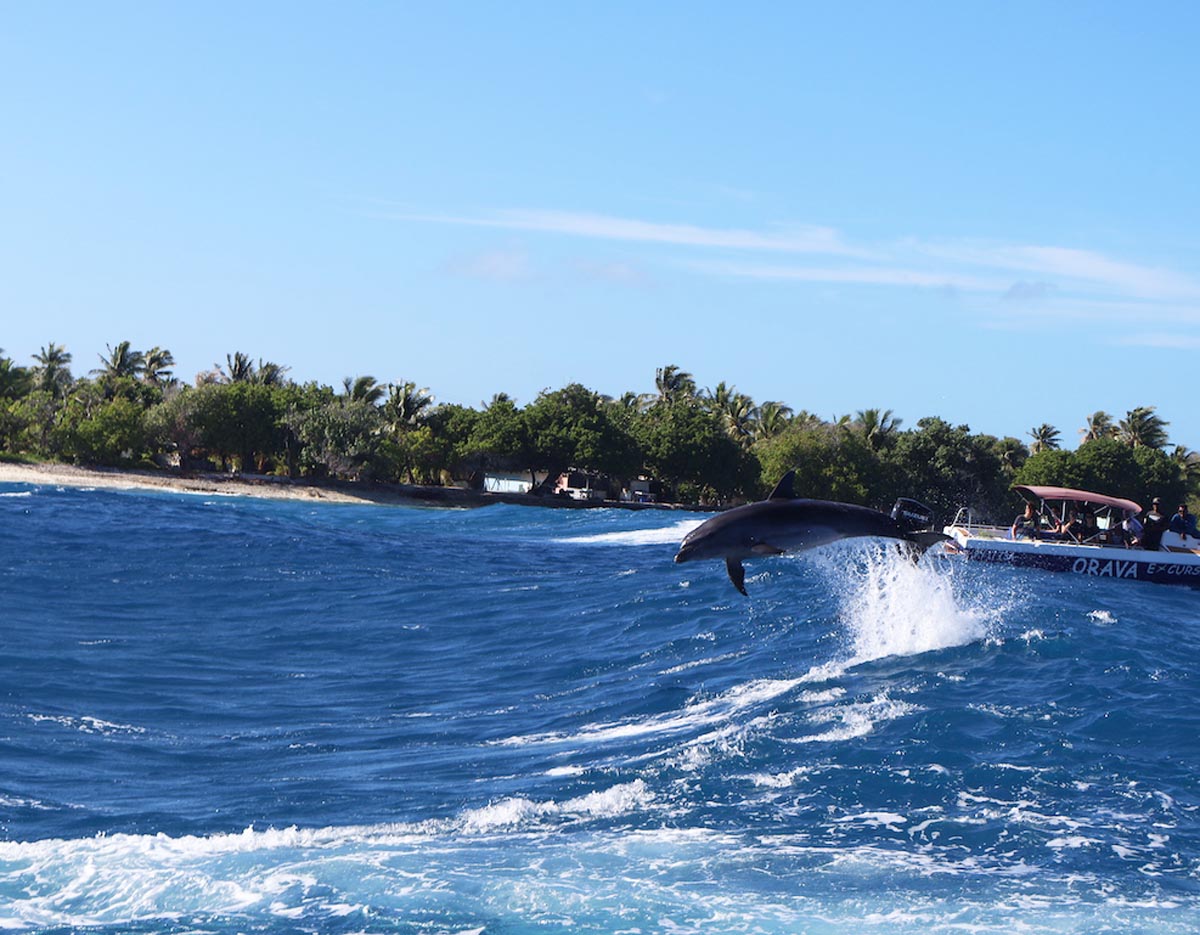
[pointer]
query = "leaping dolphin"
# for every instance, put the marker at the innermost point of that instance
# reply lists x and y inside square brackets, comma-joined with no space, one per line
[785,523]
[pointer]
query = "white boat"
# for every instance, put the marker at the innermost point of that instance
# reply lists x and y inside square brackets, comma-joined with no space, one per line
[1099,550]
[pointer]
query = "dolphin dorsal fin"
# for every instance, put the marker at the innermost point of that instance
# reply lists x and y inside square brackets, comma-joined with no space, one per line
[783,490]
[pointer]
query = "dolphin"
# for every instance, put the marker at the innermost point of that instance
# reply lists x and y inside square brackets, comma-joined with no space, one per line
[785,523]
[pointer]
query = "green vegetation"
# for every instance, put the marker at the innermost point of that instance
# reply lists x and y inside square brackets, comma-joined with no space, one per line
[707,446]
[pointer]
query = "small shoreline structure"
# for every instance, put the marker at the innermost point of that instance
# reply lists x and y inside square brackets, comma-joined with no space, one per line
[283,488]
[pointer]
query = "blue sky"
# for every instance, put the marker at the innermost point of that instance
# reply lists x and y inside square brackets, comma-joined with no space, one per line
[982,212]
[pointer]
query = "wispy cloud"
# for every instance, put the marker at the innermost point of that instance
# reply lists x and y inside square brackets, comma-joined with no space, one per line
[505,265]
[1028,292]
[1160,339]
[852,275]
[793,239]
[1075,266]
[1007,282]
[614,273]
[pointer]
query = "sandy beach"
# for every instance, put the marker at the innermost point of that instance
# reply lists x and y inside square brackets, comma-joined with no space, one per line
[65,475]
[282,488]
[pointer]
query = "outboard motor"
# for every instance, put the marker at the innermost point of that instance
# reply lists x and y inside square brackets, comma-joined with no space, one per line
[912,516]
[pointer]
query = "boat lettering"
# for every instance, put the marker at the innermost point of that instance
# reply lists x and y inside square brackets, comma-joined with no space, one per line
[1109,569]
[1160,569]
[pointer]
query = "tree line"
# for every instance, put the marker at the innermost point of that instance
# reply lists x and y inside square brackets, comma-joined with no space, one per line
[713,446]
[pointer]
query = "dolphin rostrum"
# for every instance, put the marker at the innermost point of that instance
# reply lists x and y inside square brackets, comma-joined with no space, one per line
[784,523]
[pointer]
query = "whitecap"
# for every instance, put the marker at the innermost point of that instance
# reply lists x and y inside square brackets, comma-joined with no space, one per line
[779,780]
[889,820]
[857,719]
[86,724]
[696,714]
[660,535]
[697,663]
[519,812]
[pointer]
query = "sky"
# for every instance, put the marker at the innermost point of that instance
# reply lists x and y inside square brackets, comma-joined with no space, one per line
[984,212]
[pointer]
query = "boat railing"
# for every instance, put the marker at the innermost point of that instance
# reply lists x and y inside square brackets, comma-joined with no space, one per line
[967,523]
[966,520]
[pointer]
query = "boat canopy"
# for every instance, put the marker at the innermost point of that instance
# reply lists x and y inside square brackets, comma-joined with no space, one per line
[1078,496]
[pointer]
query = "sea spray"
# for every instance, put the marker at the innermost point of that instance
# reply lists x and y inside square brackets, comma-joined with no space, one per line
[892,606]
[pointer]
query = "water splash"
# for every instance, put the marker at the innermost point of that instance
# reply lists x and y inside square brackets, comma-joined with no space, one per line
[891,606]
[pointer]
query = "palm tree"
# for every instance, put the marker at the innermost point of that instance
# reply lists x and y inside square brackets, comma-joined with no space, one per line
[878,427]
[773,418]
[741,419]
[1188,462]
[807,420]
[53,370]
[673,384]
[122,361]
[737,412]
[1099,425]
[1045,438]
[406,405]
[1141,428]
[241,368]
[1011,452]
[156,371]
[270,373]
[364,389]
[14,380]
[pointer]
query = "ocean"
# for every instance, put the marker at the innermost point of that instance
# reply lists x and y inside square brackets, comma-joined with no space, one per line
[222,715]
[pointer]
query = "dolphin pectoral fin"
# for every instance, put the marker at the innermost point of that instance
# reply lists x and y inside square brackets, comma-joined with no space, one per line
[737,573]
[764,548]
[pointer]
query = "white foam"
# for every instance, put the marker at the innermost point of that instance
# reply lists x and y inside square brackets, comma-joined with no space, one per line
[697,663]
[289,873]
[10,801]
[362,879]
[780,780]
[657,536]
[889,820]
[520,813]
[694,715]
[86,725]
[857,719]
[893,607]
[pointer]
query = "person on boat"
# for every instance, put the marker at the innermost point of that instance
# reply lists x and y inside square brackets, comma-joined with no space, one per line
[1183,522]
[1132,529]
[1076,529]
[1154,527]
[1025,526]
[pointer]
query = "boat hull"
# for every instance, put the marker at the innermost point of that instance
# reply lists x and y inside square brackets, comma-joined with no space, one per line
[1093,561]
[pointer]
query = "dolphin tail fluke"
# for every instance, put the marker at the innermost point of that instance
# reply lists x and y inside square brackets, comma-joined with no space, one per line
[737,573]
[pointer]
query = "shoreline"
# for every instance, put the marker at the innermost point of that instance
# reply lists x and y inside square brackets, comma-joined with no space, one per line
[282,488]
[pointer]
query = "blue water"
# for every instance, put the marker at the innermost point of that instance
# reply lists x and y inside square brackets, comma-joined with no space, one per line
[224,715]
